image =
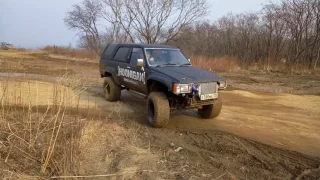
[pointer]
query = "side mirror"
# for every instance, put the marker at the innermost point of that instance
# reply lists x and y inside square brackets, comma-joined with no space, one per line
[140,62]
[189,60]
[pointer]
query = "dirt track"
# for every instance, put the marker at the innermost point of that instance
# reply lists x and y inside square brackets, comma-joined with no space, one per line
[282,120]
[209,151]
[257,136]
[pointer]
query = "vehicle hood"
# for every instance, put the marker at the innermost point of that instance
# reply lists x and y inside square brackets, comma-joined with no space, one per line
[188,74]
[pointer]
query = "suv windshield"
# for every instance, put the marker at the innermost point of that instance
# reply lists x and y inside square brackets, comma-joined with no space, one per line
[159,57]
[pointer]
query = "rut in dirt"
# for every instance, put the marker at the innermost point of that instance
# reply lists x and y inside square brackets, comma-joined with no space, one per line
[210,154]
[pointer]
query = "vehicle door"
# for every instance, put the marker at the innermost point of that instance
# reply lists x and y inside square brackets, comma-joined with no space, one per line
[137,73]
[122,58]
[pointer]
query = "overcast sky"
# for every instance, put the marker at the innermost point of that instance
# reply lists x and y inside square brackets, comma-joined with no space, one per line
[36,23]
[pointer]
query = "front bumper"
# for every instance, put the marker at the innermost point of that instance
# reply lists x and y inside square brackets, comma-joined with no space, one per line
[190,101]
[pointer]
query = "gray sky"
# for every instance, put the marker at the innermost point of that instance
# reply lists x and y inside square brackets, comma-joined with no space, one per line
[37,23]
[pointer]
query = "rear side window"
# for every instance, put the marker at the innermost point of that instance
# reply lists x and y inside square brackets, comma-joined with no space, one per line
[122,54]
[109,50]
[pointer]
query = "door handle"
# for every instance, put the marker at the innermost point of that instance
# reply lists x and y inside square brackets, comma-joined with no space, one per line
[128,67]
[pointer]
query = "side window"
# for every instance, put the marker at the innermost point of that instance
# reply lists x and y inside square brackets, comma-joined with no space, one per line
[121,54]
[109,50]
[137,53]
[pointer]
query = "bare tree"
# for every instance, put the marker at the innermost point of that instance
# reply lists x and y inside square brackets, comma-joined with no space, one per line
[154,21]
[147,21]
[316,11]
[299,18]
[275,29]
[288,30]
[84,18]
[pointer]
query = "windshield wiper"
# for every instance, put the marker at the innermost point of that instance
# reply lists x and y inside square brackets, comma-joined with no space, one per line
[168,64]
[186,64]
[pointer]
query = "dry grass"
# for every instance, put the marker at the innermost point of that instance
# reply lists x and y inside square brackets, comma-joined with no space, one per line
[38,136]
[118,146]
[47,130]
[231,64]
[277,66]
[47,140]
[70,52]
[12,53]
[223,64]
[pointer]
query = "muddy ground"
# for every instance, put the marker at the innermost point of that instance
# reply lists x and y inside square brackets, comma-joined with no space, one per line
[268,128]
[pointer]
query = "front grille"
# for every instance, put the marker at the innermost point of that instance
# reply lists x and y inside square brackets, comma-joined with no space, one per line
[210,88]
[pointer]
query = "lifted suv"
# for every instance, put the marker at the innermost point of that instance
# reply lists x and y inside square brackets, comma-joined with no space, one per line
[164,76]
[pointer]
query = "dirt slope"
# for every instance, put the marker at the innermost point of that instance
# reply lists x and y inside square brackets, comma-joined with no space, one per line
[138,152]
[258,135]
[282,120]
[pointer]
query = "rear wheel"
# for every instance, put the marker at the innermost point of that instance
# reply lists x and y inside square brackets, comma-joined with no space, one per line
[211,111]
[111,90]
[158,109]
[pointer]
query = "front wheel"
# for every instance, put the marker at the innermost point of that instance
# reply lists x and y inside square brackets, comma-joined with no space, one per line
[158,109]
[212,110]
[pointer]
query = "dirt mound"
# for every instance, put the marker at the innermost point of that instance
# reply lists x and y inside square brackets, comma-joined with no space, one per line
[305,102]
[121,145]
[215,154]
[134,151]
[107,148]
[245,94]
[37,93]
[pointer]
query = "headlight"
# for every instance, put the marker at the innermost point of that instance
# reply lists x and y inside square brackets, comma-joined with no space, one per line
[222,84]
[181,88]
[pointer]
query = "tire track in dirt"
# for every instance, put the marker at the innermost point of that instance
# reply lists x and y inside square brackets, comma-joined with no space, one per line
[208,154]
[264,117]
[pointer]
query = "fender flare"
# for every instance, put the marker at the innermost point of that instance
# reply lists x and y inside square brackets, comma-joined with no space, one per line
[162,79]
[113,72]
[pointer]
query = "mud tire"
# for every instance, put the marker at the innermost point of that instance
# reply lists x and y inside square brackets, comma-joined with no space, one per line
[158,109]
[211,111]
[111,90]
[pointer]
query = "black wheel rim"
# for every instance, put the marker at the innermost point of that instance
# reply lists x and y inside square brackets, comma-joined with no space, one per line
[150,112]
[107,90]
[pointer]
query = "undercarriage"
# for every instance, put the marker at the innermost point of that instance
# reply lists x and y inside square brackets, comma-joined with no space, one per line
[192,101]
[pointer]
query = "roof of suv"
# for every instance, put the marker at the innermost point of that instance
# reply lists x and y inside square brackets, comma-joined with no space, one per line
[145,45]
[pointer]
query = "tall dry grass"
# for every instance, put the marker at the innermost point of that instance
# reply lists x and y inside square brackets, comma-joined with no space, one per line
[71,52]
[38,134]
[273,65]
[231,64]
[223,64]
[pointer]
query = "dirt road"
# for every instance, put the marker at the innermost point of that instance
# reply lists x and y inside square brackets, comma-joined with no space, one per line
[285,121]
[282,120]
[257,136]
[230,143]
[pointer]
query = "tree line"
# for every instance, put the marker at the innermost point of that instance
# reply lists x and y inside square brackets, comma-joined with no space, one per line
[286,32]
